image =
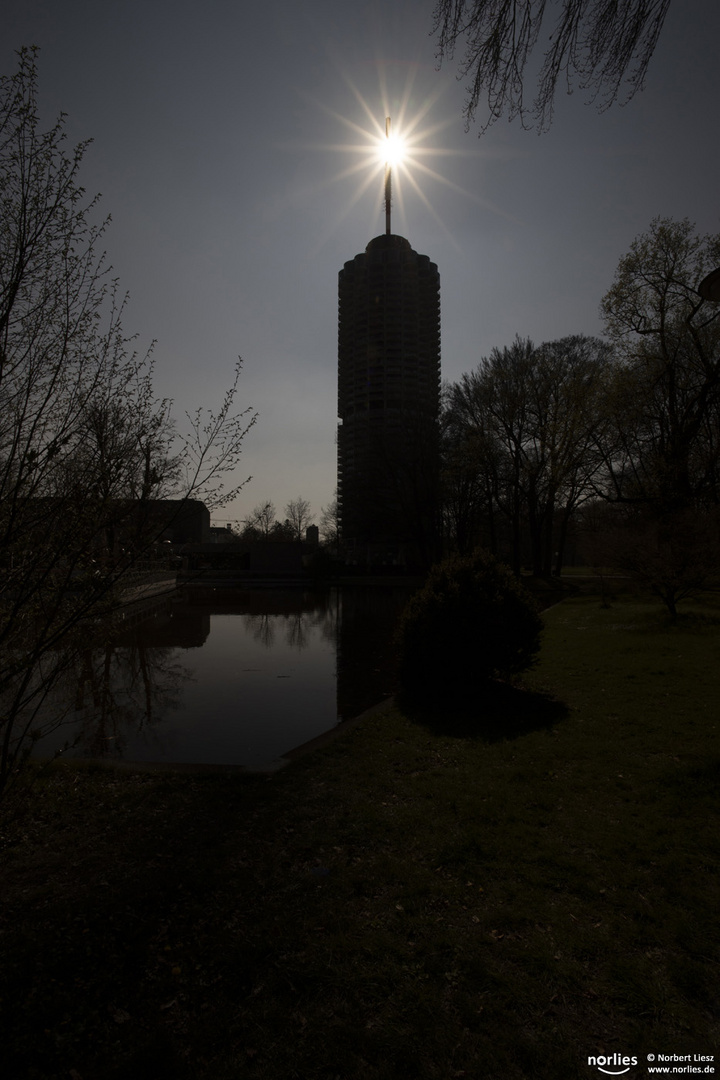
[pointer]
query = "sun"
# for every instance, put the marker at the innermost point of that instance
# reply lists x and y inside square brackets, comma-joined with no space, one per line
[387,157]
[391,153]
[392,149]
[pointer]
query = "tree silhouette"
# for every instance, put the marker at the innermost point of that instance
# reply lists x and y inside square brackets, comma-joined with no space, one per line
[601,44]
[299,516]
[84,442]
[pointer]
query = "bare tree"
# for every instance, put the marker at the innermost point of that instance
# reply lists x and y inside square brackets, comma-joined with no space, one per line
[600,44]
[666,394]
[489,407]
[84,442]
[468,471]
[673,555]
[528,421]
[569,420]
[330,523]
[299,516]
[663,459]
[260,520]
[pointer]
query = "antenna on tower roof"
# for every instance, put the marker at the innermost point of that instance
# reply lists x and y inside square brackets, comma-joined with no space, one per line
[388,180]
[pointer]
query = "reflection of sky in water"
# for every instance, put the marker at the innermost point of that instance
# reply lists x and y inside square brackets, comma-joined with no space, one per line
[258,686]
[248,703]
[223,677]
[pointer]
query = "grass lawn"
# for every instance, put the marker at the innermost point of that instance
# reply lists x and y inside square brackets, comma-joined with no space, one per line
[421,898]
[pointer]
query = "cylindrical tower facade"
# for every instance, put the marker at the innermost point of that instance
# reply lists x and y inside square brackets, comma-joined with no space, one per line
[388,401]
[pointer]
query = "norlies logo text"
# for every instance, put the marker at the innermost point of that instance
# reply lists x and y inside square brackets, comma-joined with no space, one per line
[603,1060]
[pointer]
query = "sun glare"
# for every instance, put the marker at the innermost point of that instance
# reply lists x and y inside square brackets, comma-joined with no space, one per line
[392,150]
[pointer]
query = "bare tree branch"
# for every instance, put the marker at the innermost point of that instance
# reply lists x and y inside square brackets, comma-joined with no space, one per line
[85,444]
[599,45]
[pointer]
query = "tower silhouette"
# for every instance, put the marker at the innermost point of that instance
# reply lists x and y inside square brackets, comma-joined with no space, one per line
[388,403]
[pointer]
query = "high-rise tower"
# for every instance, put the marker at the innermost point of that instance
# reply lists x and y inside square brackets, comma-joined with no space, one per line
[388,402]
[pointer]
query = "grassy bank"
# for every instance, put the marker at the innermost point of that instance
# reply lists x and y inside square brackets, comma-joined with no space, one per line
[421,898]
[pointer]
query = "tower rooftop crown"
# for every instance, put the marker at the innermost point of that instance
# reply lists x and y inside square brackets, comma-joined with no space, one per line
[386,240]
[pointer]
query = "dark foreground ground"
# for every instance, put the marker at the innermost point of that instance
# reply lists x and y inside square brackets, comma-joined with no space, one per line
[502,892]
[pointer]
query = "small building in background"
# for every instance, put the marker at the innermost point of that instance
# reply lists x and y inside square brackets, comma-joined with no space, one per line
[181,521]
[220,535]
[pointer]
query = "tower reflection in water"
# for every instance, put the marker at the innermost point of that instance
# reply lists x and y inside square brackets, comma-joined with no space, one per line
[225,676]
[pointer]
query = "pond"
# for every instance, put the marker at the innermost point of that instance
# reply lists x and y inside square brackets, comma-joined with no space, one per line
[226,676]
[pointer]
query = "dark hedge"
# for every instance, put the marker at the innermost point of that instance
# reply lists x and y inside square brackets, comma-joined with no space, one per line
[472,621]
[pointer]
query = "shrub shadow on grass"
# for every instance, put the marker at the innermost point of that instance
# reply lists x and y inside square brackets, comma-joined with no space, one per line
[696,622]
[494,711]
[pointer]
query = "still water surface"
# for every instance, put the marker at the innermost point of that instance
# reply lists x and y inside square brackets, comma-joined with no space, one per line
[228,676]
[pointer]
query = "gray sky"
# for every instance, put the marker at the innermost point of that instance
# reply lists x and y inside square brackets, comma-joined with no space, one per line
[218,131]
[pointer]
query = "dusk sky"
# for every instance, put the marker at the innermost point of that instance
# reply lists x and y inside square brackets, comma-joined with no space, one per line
[221,134]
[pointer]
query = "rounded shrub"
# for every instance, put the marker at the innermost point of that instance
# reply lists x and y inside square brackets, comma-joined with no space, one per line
[472,621]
